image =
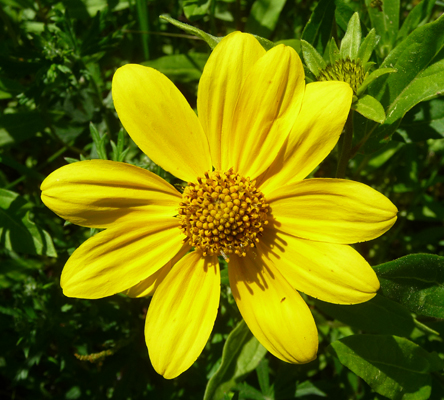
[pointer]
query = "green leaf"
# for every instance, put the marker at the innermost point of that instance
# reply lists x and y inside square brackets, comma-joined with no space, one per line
[264,16]
[343,13]
[414,81]
[294,43]
[370,108]
[318,30]
[367,46]
[9,88]
[99,141]
[392,366]
[411,57]
[15,128]
[374,75]
[416,281]
[241,355]
[385,20]
[420,14]
[144,26]
[331,52]
[17,232]
[312,58]
[211,40]
[378,315]
[263,376]
[427,85]
[196,9]
[266,44]
[308,388]
[180,67]
[425,121]
[352,39]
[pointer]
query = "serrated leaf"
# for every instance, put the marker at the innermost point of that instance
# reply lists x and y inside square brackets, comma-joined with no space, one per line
[312,58]
[392,366]
[370,108]
[17,231]
[374,75]
[367,46]
[241,355]
[264,16]
[378,315]
[416,281]
[211,40]
[352,39]
[318,29]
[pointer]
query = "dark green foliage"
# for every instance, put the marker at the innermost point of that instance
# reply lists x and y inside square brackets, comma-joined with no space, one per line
[57,60]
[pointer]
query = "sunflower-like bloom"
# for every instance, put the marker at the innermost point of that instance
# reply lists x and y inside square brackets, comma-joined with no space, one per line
[260,130]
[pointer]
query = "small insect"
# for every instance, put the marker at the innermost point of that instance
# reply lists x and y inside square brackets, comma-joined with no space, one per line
[283,299]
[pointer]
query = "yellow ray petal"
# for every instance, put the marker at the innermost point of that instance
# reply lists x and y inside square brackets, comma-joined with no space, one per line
[275,312]
[160,121]
[331,272]
[182,313]
[148,286]
[221,82]
[317,129]
[119,257]
[100,193]
[268,104]
[331,210]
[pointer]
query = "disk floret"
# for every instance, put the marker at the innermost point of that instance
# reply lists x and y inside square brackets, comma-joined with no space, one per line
[222,214]
[347,70]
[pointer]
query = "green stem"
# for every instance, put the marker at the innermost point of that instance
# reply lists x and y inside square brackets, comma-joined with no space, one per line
[424,328]
[344,155]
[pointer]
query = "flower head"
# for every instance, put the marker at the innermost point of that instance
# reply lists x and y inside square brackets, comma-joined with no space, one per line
[259,132]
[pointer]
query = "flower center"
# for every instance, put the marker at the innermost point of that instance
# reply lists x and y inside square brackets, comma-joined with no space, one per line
[223,213]
[346,70]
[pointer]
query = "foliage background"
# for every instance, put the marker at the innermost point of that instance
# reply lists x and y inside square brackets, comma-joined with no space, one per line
[57,59]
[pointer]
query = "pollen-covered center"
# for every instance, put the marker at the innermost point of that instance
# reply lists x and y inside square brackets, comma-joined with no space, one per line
[223,213]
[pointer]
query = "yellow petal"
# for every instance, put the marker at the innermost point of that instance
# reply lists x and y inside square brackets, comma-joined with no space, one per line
[317,129]
[182,314]
[335,273]
[275,312]
[119,257]
[161,122]
[221,82]
[100,193]
[148,286]
[331,210]
[268,104]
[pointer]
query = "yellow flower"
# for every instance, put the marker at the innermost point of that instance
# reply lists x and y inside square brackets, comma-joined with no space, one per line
[263,131]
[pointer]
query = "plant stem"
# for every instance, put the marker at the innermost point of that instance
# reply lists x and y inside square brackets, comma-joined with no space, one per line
[344,155]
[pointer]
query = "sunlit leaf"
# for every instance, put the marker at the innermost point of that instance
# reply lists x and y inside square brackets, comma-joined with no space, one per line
[318,30]
[241,355]
[264,16]
[392,366]
[415,281]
